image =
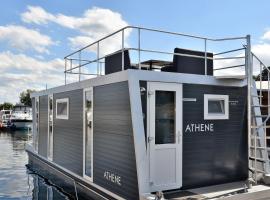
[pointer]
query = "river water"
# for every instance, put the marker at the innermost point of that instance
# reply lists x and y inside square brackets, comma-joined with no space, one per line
[16,181]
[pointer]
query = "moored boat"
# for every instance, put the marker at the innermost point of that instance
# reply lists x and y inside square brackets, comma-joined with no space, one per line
[141,130]
[5,116]
[21,117]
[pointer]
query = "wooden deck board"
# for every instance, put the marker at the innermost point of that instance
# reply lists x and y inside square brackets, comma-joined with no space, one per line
[231,191]
[260,195]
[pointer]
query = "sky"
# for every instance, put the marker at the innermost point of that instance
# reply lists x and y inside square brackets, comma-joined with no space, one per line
[36,35]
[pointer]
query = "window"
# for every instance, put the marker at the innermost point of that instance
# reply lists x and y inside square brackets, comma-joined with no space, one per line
[62,108]
[165,117]
[216,106]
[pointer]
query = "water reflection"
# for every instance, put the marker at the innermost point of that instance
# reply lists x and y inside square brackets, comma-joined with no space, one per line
[16,182]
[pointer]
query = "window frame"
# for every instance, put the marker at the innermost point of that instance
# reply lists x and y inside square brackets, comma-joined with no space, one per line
[216,116]
[63,100]
[36,123]
[85,176]
[50,120]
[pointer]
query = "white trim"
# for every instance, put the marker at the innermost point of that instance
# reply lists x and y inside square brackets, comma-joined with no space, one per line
[64,100]
[142,164]
[84,132]
[216,116]
[147,76]
[172,77]
[50,157]
[100,80]
[37,106]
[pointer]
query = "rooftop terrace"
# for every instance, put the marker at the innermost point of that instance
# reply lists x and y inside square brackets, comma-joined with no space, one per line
[141,48]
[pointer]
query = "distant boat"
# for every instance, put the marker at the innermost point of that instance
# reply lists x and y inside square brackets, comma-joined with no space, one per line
[5,118]
[21,117]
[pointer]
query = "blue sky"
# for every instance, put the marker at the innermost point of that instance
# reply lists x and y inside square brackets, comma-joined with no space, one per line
[36,35]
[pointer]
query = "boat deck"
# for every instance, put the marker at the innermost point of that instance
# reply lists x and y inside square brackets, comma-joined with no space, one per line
[231,191]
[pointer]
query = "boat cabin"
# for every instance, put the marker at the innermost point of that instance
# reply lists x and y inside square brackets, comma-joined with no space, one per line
[132,129]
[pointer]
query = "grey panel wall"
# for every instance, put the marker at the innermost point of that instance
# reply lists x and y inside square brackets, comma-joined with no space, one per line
[68,134]
[220,156]
[113,140]
[43,125]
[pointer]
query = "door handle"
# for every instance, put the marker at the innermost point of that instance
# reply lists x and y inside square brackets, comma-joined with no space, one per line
[150,139]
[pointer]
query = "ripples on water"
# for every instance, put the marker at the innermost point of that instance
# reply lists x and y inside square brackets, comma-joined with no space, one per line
[16,182]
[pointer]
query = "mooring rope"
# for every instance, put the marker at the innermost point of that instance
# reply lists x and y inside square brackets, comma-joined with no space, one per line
[75,190]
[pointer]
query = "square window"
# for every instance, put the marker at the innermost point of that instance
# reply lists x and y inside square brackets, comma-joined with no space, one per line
[216,106]
[62,108]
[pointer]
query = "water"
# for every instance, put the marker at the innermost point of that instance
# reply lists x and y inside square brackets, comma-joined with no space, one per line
[16,182]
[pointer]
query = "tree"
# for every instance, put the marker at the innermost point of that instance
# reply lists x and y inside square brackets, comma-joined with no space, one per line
[25,97]
[6,106]
[264,75]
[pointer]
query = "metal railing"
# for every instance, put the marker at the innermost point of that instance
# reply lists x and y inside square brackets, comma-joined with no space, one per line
[74,61]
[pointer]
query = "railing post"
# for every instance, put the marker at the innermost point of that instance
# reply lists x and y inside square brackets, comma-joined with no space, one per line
[268,83]
[139,47]
[249,83]
[123,47]
[79,66]
[205,56]
[65,71]
[260,83]
[98,70]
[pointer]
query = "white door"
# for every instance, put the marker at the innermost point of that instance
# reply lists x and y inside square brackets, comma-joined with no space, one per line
[88,134]
[165,135]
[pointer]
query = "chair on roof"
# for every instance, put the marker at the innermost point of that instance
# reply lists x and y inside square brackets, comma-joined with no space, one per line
[190,65]
[113,62]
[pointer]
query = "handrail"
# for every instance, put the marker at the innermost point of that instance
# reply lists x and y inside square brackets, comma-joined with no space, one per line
[156,30]
[224,52]
[80,62]
[260,61]
[229,67]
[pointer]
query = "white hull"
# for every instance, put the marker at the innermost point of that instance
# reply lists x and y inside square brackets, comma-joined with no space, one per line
[22,125]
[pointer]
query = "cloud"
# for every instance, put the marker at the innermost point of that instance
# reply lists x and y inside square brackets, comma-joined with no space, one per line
[23,38]
[36,15]
[266,35]
[19,72]
[261,50]
[10,61]
[94,24]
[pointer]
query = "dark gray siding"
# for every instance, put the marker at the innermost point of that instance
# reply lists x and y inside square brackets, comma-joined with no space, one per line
[43,125]
[68,134]
[220,156]
[113,139]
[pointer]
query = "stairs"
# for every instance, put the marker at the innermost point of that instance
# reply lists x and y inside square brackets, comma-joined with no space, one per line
[259,163]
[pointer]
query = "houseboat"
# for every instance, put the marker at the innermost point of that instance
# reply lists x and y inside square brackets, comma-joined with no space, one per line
[150,128]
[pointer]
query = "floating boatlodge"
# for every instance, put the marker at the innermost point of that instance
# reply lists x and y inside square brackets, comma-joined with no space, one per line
[141,126]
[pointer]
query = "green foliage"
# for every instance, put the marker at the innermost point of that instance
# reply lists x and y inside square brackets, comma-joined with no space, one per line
[6,106]
[25,97]
[264,74]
